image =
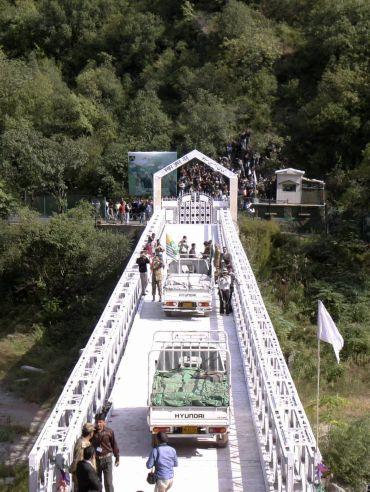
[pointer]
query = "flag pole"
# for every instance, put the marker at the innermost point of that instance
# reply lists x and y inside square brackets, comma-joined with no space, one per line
[318,395]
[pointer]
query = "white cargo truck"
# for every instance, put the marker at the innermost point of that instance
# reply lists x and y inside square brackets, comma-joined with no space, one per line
[189,385]
[188,287]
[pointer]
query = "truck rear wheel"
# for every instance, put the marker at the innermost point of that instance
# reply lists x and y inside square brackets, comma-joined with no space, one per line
[222,440]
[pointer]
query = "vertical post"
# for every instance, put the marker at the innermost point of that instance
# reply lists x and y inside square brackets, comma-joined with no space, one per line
[33,473]
[318,395]
[290,471]
[234,198]
[269,205]
[157,193]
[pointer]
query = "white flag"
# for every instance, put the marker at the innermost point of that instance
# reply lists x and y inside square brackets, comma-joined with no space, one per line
[327,331]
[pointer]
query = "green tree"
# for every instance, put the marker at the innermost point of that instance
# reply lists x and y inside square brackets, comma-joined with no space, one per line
[335,117]
[33,162]
[132,38]
[249,49]
[7,202]
[101,84]
[205,123]
[146,125]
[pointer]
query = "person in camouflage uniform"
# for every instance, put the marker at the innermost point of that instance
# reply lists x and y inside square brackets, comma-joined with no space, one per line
[157,266]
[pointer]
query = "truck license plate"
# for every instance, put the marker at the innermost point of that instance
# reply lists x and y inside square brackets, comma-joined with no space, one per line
[190,430]
[187,304]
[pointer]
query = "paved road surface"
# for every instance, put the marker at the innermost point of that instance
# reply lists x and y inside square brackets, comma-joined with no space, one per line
[202,466]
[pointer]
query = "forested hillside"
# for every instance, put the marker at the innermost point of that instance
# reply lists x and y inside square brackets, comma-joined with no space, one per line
[83,82]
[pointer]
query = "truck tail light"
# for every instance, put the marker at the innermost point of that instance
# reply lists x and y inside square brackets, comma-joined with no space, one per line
[203,304]
[170,303]
[161,429]
[217,430]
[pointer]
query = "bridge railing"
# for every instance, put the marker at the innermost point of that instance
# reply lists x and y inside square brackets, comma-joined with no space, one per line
[287,444]
[90,383]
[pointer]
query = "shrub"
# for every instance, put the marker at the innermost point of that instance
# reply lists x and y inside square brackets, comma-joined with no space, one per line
[347,453]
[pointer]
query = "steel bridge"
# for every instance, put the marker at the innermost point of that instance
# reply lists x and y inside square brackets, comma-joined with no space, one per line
[271,444]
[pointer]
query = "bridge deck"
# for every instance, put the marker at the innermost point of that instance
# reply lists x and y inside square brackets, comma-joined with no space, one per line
[202,466]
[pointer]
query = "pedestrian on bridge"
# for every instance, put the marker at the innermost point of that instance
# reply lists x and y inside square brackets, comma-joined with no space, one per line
[157,266]
[87,478]
[217,261]
[163,458]
[183,247]
[225,258]
[192,252]
[78,451]
[231,273]
[143,262]
[106,447]
[224,284]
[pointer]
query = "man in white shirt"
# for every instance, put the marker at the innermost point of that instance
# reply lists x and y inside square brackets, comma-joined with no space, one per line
[183,247]
[224,283]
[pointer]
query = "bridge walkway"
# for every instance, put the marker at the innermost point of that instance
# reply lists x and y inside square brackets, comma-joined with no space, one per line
[202,466]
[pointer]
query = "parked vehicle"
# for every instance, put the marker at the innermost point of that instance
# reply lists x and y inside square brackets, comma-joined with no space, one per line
[189,385]
[188,287]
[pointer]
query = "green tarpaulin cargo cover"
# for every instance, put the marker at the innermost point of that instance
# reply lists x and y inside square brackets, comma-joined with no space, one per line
[190,387]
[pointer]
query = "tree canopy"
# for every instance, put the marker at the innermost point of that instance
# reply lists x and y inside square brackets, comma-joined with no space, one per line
[99,78]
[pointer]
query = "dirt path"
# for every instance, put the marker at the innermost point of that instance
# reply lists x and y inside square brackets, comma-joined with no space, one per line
[15,411]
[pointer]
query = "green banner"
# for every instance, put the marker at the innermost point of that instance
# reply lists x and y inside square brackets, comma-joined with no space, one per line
[142,166]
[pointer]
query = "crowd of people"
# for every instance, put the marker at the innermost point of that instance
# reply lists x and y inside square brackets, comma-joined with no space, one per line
[151,258]
[255,181]
[92,465]
[151,261]
[197,177]
[223,268]
[124,211]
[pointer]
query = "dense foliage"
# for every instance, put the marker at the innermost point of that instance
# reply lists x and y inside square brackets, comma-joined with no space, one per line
[82,83]
[54,280]
[294,272]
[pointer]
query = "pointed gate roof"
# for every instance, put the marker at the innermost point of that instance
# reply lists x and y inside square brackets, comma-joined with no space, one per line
[195,154]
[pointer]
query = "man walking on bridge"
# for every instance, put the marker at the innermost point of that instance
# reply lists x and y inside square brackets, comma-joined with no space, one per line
[143,262]
[163,458]
[106,447]
[224,284]
[157,266]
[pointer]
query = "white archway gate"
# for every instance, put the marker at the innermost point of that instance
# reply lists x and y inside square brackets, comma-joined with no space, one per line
[195,154]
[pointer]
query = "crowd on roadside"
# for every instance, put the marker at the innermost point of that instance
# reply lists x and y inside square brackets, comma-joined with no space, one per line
[124,211]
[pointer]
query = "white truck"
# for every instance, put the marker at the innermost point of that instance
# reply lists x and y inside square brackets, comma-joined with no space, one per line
[189,385]
[188,287]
